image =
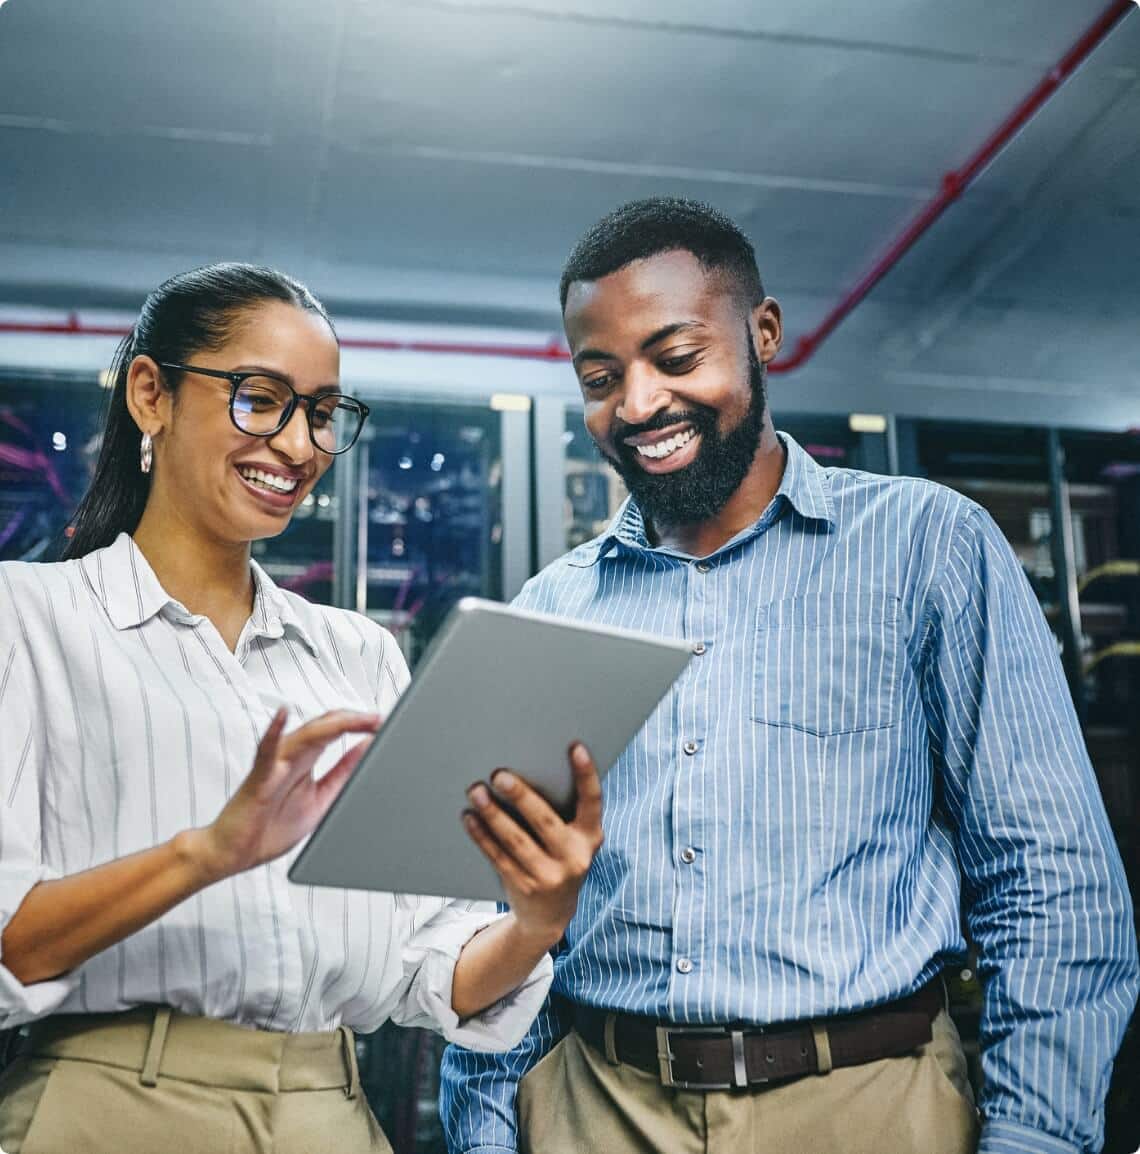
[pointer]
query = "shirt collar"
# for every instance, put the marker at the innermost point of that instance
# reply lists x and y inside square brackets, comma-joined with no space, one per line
[273,611]
[804,487]
[130,591]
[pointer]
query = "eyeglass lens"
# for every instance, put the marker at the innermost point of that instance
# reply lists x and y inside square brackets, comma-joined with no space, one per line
[259,406]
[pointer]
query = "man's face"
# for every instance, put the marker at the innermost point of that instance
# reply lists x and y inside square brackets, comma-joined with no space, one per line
[673,388]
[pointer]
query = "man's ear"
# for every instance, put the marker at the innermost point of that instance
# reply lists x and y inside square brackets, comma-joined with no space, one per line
[147,398]
[767,329]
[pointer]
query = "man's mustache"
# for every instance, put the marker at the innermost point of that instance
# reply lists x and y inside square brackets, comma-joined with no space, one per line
[699,419]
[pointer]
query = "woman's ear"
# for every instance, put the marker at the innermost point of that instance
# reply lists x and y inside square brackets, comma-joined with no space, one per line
[147,398]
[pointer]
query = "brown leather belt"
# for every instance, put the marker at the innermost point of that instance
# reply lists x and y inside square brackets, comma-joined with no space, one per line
[728,1057]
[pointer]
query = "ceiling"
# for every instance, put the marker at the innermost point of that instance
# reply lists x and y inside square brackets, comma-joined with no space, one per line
[435,161]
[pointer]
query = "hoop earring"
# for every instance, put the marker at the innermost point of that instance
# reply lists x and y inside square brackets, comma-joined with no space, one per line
[146,453]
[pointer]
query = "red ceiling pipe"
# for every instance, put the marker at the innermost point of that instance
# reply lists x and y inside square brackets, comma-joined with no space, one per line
[952,186]
[553,350]
[956,182]
[72,326]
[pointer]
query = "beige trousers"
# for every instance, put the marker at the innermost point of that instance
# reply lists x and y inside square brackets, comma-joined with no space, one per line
[151,1081]
[576,1102]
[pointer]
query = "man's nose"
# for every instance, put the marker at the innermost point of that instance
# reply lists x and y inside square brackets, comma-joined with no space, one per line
[646,393]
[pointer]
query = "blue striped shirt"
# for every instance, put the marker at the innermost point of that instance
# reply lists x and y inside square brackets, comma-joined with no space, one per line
[877,727]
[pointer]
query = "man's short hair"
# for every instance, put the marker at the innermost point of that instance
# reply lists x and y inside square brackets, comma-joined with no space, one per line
[645,228]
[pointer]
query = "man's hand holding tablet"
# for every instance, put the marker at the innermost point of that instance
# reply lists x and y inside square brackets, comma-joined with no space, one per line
[541,869]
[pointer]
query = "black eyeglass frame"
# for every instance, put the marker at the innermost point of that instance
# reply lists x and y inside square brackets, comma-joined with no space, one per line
[236,381]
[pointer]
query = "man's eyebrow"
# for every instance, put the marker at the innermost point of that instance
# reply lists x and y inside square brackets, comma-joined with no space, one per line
[590,355]
[669,331]
[655,337]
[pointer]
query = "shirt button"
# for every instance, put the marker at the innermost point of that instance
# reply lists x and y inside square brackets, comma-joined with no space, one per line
[703,566]
[699,648]
[690,747]
[684,966]
[688,855]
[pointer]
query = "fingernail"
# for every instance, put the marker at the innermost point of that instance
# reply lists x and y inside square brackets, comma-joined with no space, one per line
[503,779]
[479,795]
[580,754]
[468,820]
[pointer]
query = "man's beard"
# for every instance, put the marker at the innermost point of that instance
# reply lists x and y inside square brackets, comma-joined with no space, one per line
[701,489]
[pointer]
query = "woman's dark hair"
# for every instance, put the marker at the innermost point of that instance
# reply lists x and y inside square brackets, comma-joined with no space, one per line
[192,312]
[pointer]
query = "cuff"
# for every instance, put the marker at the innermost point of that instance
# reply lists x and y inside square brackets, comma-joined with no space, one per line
[19,1003]
[1000,1136]
[500,1026]
[430,963]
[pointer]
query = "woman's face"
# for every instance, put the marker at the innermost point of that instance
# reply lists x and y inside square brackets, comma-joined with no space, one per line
[206,470]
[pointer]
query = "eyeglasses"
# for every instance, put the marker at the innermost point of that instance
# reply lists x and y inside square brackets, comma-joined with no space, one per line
[262,406]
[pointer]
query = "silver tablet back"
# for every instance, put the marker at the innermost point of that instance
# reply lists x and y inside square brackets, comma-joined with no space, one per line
[499,687]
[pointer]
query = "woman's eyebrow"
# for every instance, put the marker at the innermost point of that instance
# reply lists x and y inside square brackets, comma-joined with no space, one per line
[283,376]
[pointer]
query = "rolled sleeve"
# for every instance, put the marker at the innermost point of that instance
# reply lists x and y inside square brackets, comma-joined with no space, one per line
[20,1003]
[429,956]
[21,863]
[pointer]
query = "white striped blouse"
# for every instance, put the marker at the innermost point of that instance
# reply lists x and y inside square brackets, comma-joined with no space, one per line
[875,726]
[126,719]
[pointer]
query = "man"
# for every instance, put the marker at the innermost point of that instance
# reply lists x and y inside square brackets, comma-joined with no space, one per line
[873,734]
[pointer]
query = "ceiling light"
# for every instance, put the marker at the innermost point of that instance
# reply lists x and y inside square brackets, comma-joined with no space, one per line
[867,423]
[510,403]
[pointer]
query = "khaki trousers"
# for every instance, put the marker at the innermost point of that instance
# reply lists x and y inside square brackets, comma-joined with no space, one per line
[152,1081]
[576,1102]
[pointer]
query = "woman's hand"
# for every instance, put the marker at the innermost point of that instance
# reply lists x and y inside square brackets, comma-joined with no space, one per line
[279,803]
[541,871]
[63,922]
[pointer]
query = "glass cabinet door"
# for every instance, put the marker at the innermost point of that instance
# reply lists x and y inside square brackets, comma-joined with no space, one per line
[1005,469]
[1102,471]
[49,440]
[1103,474]
[431,530]
[593,490]
[423,507]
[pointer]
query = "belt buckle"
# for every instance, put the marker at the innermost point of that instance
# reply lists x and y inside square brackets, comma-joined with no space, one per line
[666,1057]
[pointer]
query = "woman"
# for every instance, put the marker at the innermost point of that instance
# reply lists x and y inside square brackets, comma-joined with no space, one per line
[182,992]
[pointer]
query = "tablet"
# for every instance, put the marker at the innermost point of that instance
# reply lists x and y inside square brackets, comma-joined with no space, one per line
[498,687]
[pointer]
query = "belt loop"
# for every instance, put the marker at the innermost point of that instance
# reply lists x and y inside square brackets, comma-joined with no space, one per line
[608,1035]
[822,1048]
[152,1060]
[348,1045]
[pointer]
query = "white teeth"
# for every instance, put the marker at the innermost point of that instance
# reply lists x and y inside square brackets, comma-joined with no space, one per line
[269,480]
[667,447]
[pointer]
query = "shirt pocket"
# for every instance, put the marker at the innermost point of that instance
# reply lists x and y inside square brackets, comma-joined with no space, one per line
[827,665]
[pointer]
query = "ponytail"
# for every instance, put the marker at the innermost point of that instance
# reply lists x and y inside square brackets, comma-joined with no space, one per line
[115,499]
